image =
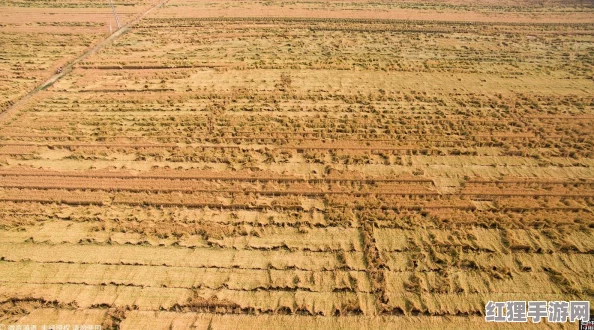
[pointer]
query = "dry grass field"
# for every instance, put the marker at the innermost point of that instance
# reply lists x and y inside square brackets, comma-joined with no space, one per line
[338,164]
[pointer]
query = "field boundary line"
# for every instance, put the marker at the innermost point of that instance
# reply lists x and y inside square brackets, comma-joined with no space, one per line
[465,23]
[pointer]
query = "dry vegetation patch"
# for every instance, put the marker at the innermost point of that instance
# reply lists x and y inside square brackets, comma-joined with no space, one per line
[341,164]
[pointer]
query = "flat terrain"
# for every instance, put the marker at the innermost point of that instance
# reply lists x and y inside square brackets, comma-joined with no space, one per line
[284,165]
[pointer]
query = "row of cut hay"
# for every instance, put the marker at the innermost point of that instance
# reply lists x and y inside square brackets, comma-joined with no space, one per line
[204,300]
[234,279]
[181,257]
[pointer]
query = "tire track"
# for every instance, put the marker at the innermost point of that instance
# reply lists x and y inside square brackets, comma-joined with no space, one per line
[68,67]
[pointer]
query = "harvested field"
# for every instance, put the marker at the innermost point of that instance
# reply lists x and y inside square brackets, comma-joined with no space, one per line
[293,165]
